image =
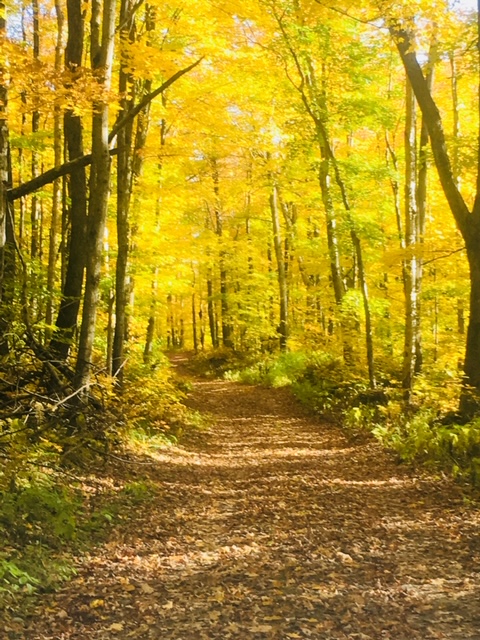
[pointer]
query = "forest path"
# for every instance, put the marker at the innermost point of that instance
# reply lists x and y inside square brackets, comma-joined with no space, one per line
[273,526]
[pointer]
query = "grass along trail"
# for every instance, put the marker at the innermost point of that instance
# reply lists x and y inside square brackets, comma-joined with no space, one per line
[272,525]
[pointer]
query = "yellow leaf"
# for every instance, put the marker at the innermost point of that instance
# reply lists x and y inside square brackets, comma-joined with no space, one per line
[95,604]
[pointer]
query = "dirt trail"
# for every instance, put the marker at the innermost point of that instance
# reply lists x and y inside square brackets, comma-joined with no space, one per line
[273,526]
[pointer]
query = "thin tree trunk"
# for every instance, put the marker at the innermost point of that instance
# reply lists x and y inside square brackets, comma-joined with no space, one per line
[110,332]
[102,59]
[455,165]
[57,185]
[35,210]
[202,325]
[194,324]
[421,203]
[140,140]
[211,313]
[410,262]
[7,247]
[151,326]
[282,329]
[332,237]
[124,191]
[227,329]
[194,313]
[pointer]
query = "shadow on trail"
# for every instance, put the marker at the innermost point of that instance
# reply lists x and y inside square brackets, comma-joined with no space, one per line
[274,526]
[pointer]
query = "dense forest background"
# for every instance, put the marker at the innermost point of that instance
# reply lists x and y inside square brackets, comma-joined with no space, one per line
[290,190]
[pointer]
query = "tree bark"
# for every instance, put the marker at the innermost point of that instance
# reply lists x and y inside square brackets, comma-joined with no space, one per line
[124,192]
[227,329]
[151,326]
[57,186]
[282,329]
[66,322]
[212,323]
[410,261]
[7,240]
[102,61]
[35,205]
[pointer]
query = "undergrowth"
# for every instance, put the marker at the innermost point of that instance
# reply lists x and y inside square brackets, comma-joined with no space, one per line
[63,480]
[427,431]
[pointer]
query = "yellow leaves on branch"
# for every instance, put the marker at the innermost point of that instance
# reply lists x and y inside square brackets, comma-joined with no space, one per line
[145,62]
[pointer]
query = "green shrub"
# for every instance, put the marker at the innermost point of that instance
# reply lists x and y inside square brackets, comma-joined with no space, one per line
[13,578]
[314,396]
[421,436]
[360,419]
[38,509]
[153,402]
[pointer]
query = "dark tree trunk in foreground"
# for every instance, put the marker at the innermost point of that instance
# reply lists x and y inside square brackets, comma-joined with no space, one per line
[467,221]
[72,290]
[7,247]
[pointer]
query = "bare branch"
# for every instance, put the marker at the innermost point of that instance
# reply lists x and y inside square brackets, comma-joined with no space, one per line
[445,255]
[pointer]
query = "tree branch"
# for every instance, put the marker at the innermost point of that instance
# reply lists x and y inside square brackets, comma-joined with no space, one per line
[148,98]
[445,255]
[49,176]
[404,42]
[83,161]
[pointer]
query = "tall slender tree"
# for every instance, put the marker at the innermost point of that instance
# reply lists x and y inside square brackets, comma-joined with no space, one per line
[101,52]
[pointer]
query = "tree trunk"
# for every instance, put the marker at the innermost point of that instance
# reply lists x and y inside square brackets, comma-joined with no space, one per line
[140,140]
[7,246]
[211,313]
[110,332]
[102,59]
[282,329]
[410,262]
[194,324]
[124,191]
[455,165]
[421,203]
[57,185]
[202,325]
[150,337]
[35,210]
[227,329]
[467,222]
[66,322]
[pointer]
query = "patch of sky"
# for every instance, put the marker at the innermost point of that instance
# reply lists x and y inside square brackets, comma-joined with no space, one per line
[464,5]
